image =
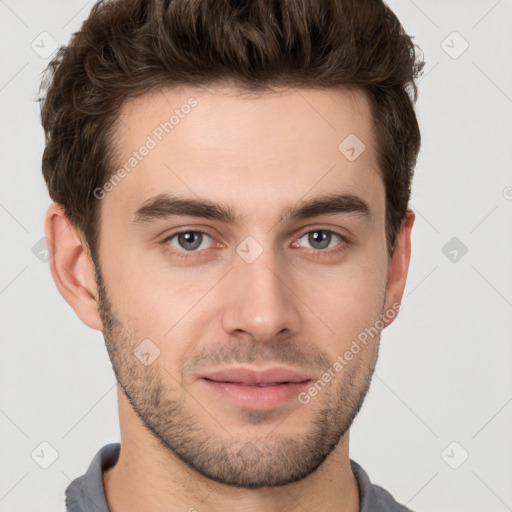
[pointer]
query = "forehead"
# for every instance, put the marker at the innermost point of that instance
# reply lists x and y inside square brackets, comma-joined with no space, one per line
[211,118]
[254,149]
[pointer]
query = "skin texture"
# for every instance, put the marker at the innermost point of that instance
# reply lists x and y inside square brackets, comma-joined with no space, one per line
[298,304]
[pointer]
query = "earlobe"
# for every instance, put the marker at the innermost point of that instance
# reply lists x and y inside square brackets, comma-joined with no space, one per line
[398,268]
[71,266]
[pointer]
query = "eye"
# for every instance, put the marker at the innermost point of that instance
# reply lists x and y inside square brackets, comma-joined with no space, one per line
[187,241]
[322,239]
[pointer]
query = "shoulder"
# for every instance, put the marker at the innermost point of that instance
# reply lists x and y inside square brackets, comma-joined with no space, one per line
[374,498]
[86,492]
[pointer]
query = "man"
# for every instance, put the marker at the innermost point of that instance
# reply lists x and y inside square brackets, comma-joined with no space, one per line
[230,184]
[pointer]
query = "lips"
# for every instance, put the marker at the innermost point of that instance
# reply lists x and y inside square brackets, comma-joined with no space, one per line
[252,377]
[257,389]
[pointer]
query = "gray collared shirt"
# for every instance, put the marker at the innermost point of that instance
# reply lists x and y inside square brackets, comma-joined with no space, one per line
[86,493]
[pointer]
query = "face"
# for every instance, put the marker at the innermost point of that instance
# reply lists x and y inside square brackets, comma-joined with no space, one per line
[221,319]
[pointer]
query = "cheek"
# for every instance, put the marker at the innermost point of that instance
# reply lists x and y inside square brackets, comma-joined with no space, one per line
[138,294]
[349,298]
[153,302]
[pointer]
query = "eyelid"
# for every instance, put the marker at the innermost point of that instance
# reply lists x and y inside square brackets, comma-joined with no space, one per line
[186,230]
[343,236]
[329,230]
[189,230]
[346,238]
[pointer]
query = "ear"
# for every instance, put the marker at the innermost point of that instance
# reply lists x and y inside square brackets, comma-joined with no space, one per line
[71,266]
[398,267]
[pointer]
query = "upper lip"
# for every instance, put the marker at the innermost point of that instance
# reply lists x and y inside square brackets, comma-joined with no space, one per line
[245,375]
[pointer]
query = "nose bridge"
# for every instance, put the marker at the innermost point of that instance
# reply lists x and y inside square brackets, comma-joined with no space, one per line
[261,302]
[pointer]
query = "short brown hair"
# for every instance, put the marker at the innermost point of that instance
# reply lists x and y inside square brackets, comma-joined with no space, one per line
[126,48]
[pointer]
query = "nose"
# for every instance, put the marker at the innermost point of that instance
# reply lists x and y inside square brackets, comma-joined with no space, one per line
[262,302]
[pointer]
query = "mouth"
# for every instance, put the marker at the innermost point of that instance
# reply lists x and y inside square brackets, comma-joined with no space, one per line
[250,388]
[261,384]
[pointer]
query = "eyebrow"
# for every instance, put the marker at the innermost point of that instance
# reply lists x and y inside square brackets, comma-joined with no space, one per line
[164,206]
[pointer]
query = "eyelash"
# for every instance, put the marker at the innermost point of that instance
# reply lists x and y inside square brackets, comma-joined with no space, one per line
[316,252]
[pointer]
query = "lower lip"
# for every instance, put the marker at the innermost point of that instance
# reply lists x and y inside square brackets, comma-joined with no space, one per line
[257,397]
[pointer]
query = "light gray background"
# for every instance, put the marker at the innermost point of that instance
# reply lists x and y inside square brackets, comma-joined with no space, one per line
[444,372]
